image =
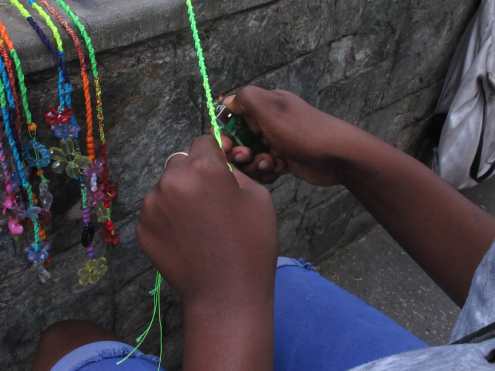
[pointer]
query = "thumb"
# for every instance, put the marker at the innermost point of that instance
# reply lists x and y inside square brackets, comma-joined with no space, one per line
[244,181]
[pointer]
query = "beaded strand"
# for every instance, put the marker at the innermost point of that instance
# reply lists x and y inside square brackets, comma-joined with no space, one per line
[88,230]
[93,63]
[82,61]
[37,253]
[41,154]
[90,145]
[20,78]
[10,198]
[110,191]
[94,269]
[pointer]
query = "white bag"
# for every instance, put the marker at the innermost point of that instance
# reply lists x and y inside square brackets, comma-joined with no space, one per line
[466,153]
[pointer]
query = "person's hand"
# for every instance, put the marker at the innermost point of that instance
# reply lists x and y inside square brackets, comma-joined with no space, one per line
[302,139]
[211,232]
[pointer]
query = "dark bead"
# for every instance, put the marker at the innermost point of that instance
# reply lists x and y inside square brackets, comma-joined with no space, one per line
[88,235]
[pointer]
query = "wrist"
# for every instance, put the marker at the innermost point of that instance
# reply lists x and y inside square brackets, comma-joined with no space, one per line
[219,305]
[338,147]
[362,157]
[229,336]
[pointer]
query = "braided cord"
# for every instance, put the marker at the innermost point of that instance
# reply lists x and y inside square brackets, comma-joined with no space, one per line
[204,72]
[48,21]
[64,86]
[100,118]
[6,82]
[10,70]
[4,162]
[15,60]
[84,75]
[93,63]
[57,54]
[19,72]
[20,169]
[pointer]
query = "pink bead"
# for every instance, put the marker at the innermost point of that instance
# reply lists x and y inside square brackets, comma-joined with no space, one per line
[15,228]
[8,203]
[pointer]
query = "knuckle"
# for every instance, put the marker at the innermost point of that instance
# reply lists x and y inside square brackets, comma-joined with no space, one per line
[172,185]
[246,93]
[280,100]
[205,167]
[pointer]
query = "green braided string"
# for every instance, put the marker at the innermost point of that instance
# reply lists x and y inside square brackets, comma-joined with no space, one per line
[22,85]
[204,73]
[82,30]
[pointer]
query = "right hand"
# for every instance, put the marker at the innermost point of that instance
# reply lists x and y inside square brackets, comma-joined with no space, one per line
[302,139]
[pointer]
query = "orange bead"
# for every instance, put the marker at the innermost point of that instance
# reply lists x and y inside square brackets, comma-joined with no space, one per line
[42,234]
[32,127]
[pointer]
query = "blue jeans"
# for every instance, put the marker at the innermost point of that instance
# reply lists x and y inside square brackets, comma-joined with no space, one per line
[318,326]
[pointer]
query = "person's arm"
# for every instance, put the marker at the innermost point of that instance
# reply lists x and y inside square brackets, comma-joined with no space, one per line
[443,231]
[212,234]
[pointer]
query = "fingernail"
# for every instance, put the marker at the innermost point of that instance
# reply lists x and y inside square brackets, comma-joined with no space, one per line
[238,157]
[263,165]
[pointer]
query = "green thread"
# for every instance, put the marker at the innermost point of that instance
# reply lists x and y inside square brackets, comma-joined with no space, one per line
[204,73]
[156,312]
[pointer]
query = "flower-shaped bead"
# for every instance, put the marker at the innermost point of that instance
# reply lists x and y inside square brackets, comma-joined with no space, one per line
[103,214]
[93,271]
[68,159]
[54,117]
[15,227]
[36,154]
[62,123]
[38,253]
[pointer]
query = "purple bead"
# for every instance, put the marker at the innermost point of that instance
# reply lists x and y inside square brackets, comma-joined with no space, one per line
[86,215]
[90,252]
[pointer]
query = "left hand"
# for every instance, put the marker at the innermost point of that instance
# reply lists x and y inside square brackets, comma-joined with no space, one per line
[211,232]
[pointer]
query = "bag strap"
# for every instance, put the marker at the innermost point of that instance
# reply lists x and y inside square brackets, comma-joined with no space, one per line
[486,333]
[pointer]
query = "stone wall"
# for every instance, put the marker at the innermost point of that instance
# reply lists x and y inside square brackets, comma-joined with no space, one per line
[376,63]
